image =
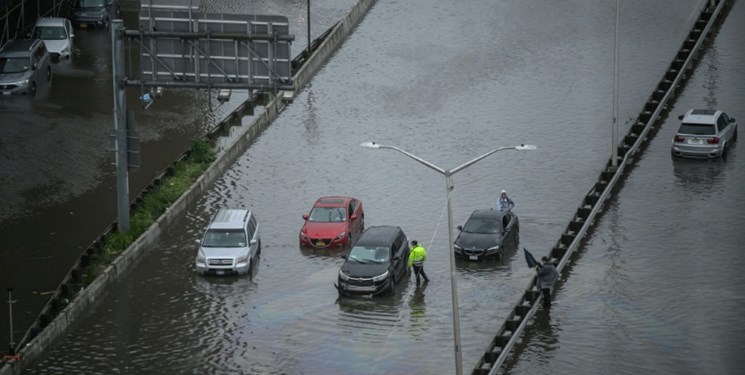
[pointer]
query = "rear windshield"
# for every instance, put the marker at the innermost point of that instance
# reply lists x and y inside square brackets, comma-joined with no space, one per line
[697,129]
[10,65]
[482,225]
[224,238]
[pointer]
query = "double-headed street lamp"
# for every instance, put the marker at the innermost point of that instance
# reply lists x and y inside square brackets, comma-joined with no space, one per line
[448,173]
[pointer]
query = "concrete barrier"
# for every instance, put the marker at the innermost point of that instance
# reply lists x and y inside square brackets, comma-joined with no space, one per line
[85,301]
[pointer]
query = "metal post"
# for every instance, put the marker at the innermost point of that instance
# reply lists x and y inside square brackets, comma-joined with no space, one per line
[12,343]
[120,125]
[614,137]
[309,42]
[453,286]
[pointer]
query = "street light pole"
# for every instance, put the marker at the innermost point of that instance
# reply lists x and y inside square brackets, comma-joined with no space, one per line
[448,173]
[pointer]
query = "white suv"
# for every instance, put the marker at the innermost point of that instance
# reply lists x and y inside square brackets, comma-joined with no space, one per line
[230,245]
[704,133]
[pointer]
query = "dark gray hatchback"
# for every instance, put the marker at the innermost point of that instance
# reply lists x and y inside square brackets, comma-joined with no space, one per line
[376,263]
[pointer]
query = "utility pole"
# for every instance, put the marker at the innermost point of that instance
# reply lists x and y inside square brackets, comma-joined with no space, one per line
[12,344]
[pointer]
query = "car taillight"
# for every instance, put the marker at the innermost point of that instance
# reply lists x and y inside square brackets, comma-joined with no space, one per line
[713,141]
[678,139]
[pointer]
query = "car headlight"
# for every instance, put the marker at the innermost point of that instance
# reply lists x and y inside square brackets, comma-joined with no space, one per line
[22,83]
[343,276]
[458,247]
[65,51]
[200,258]
[242,259]
[494,248]
[340,236]
[381,277]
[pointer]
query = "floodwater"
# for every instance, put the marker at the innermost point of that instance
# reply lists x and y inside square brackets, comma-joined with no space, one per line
[653,291]
[58,190]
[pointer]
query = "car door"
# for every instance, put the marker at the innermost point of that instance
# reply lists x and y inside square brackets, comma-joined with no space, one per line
[399,255]
[253,235]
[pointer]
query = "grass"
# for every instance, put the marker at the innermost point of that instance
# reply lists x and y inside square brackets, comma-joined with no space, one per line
[154,202]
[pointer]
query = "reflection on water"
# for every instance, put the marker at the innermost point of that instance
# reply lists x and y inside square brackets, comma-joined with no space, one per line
[699,176]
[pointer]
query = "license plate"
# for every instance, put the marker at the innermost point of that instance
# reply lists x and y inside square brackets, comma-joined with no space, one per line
[220,272]
[473,257]
[320,243]
[696,141]
[6,92]
[83,25]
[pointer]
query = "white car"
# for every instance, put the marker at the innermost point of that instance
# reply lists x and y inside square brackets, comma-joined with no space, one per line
[704,133]
[57,35]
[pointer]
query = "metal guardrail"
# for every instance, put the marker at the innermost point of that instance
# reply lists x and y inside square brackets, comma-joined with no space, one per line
[500,347]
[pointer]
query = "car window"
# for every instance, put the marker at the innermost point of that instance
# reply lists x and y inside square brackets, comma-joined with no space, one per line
[723,121]
[328,214]
[697,129]
[369,254]
[251,229]
[49,33]
[90,3]
[14,65]
[224,238]
[483,225]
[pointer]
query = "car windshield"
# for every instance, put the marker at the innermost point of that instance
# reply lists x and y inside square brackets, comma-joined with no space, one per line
[13,64]
[369,254]
[328,215]
[481,225]
[224,238]
[49,33]
[90,3]
[697,129]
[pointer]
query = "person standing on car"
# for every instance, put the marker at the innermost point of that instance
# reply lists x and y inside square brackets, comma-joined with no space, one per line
[417,256]
[504,203]
[547,276]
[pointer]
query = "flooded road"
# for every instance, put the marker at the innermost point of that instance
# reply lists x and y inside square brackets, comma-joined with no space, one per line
[449,84]
[58,190]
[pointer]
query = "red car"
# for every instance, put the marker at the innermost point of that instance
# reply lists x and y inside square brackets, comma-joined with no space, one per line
[334,222]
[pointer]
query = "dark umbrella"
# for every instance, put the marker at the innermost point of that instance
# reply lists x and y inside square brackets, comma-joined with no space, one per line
[530,259]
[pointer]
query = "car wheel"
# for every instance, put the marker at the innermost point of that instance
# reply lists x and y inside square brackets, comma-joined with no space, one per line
[392,288]
[734,135]
[32,90]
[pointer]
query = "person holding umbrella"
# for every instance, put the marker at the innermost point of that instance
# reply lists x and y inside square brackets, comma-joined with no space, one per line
[547,275]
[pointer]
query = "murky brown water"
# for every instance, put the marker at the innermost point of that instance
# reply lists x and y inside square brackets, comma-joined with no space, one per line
[449,84]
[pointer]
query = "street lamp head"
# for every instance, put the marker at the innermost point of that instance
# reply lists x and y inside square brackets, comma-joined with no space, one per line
[370,144]
[526,147]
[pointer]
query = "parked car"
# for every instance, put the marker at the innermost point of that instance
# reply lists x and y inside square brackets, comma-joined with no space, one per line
[93,13]
[333,222]
[57,35]
[486,234]
[24,64]
[704,133]
[230,244]
[376,263]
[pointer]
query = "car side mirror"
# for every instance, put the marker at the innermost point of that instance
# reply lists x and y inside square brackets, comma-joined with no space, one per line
[460,228]
[253,242]
[731,119]
[305,216]
[680,117]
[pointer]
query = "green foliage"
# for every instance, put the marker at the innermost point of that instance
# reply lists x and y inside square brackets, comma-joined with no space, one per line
[154,203]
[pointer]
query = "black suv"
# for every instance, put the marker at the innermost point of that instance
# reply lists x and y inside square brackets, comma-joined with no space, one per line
[376,263]
[24,64]
[93,13]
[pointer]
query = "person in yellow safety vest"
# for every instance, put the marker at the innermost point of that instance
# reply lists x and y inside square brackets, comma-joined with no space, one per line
[417,256]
